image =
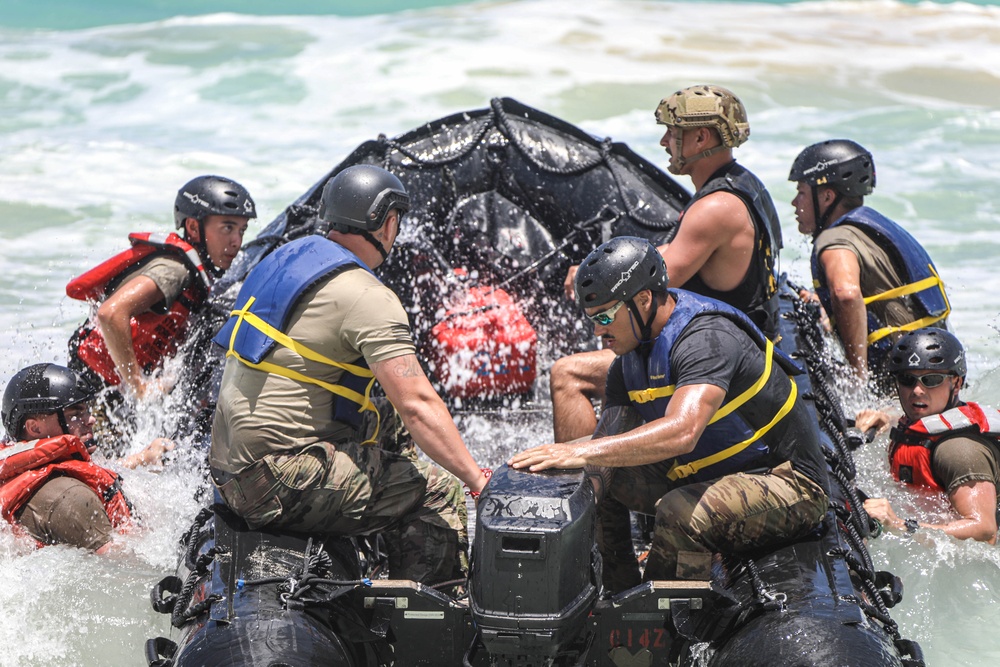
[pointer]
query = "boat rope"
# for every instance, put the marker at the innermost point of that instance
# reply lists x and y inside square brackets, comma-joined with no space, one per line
[881,589]
[765,599]
[181,613]
[500,121]
[299,590]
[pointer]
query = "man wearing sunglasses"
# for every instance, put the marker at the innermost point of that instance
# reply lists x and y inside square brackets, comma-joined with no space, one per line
[702,426]
[725,247]
[941,442]
[49,486]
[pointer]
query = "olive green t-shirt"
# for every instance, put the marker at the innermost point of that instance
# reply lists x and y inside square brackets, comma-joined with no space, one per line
[171,276]
[964,459]
[343,318]
[878,274]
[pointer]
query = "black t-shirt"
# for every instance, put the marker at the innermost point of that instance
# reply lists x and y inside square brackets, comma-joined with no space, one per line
[713,349]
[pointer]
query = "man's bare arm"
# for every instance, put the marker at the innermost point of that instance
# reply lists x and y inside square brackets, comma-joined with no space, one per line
[843,277]
[427,418]
[114,317]
[676,433]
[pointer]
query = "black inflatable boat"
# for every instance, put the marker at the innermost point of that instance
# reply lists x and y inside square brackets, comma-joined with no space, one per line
[508,197]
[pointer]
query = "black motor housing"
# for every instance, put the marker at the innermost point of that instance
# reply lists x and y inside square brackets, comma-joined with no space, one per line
[536,570]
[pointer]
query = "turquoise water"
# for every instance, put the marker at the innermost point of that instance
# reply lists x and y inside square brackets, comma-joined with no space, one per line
[107,107]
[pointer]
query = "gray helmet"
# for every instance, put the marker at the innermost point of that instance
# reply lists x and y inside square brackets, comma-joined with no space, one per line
[41,389]
[359,198]
[844,165]
[928,349]
[212,195]
[618,270]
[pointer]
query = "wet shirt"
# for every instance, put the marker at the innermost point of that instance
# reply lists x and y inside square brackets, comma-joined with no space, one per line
[714,350]
[964,460]
[878,274]
[171,276]
[346,317]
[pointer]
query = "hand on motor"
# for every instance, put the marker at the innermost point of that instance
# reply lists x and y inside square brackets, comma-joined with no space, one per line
[151,455]
[868,419]
[880,510]
[569,283]
[556,455]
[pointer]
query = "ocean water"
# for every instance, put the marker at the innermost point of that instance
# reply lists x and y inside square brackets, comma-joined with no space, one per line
[107,107]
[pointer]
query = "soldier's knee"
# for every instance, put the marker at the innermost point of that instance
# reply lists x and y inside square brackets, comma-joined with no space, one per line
[677,513]
[562,376]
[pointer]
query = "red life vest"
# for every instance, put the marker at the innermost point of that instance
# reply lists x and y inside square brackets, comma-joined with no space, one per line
[26,466]
[154,335]
[912,445]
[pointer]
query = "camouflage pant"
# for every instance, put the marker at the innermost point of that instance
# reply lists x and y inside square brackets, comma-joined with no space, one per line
[731,514]
[352,489]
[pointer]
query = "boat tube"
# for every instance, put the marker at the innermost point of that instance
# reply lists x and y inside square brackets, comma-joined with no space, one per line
[534,597]
[504,200]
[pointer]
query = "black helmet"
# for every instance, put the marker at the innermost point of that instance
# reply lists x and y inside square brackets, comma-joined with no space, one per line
[41,389]
[360,197]
[843,165]
[928,349]
[212,195]
[618,270]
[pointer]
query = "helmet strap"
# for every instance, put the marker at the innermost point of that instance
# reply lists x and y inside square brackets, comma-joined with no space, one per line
[201,247]
[953,399]
[824,219]
[375,242]
[61,416]
[645,333]
[678,161]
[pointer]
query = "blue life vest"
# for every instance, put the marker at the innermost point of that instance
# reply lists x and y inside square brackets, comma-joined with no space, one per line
[266,301]
[913,264]
[728,444]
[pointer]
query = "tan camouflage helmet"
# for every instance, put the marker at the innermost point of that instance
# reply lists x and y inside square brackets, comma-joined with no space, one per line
[707,106]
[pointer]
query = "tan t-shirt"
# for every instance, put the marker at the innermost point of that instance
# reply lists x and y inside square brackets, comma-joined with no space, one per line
[346,317]
[878,274]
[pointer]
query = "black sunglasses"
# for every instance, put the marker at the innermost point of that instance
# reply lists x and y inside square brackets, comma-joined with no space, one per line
[930,380]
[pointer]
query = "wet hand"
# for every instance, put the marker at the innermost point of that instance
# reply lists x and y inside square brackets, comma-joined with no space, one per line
[570,282]
[880,510]
[556,455]
[868,419]
[151,455]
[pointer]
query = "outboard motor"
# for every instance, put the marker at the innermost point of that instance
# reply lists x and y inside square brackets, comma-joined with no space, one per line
[536,570]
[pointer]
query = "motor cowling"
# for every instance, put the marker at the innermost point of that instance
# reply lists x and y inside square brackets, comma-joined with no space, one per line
[536,569]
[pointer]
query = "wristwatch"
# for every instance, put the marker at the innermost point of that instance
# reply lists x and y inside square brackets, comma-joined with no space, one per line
[911,525]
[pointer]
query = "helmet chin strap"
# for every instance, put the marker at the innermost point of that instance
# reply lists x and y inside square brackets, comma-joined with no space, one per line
[61,416]
[201,247]
[375,242]
[824,219]
[645,333]
[677,159]
[953,399]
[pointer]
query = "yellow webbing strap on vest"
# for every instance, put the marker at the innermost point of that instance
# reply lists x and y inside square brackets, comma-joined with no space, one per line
[244,315]
[681,471]
[912,288]
[646,395]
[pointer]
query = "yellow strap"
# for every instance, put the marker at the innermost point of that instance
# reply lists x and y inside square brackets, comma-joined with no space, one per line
[244,315]
[646,395]
[687,469]
[926,283]
[903,290]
